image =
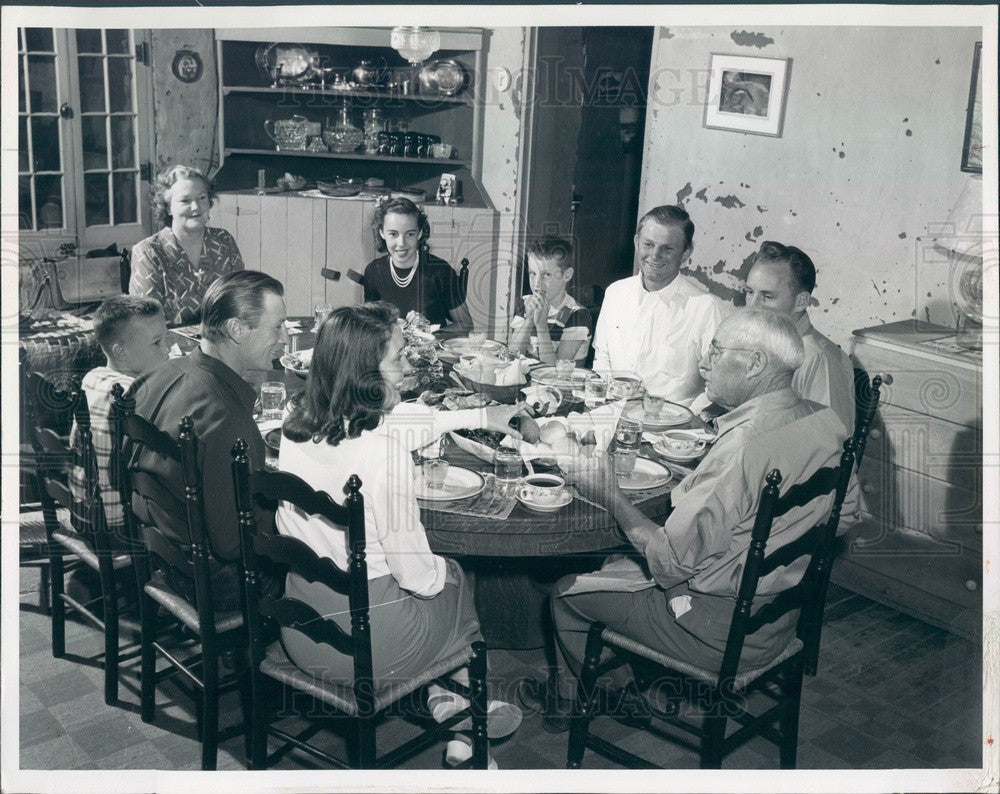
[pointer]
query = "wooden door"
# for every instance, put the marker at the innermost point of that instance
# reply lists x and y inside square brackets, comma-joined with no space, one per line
[474,237]
[348,248]
[293,249]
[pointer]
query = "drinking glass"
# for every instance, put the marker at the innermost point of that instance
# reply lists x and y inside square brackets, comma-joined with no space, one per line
[565,367]
[652,405]
[628,437]
[506,471]
[595,391]
[272,400]
[320,311]
[435,473]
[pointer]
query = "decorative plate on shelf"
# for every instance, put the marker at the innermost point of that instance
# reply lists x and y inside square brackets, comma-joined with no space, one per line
[445,77]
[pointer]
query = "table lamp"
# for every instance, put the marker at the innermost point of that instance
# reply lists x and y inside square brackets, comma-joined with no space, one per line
[962,239]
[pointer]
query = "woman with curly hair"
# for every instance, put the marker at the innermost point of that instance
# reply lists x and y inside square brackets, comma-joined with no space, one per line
[422,608]
[178,263]
[409,276]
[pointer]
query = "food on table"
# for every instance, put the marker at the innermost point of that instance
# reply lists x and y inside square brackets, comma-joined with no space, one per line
[527,427]
[488,438]
[552,432]
[298,362]
[567,446]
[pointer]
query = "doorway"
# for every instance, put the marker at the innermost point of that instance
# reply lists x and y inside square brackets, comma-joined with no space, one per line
[586,143]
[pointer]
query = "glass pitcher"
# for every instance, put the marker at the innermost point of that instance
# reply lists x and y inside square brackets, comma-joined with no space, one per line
[288,134]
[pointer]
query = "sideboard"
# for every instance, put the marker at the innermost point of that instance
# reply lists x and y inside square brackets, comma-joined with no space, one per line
[919,545]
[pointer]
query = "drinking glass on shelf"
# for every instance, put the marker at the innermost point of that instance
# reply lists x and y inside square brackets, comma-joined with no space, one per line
[272,400]
[506,471]
[435,473]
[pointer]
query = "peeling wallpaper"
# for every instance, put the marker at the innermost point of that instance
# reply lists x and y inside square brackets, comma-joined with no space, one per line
[866,170]
[185,116]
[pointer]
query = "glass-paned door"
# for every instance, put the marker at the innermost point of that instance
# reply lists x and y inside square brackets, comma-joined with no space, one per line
[84,134]
[43,152]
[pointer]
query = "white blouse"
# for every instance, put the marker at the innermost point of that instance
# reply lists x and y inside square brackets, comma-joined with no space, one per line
[396,541]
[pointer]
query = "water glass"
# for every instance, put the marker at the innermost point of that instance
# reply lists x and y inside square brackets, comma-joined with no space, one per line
[565,367]
[595,391]
[506,471]
[652,405]
[435,473]
[320,311]
[272,400]
[624,460]
[628,437]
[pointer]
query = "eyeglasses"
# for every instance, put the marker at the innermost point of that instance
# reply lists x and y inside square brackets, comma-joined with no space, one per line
[715,351]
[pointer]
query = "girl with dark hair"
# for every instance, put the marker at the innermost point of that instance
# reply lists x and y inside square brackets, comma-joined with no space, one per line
[178,263]
[348,423]
[407,274]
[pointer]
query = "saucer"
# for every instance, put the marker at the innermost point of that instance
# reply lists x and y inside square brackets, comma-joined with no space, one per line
[671,415]
[564,500]
[681,457]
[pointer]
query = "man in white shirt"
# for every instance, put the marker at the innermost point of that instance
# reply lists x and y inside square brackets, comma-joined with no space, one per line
[782,279]
[659,322]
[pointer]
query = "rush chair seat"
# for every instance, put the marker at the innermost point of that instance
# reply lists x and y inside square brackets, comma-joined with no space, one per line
[84,537]
[730,692]
[218,635]
[359,705]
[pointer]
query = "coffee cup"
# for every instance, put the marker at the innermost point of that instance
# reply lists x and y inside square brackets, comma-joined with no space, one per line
[542,489]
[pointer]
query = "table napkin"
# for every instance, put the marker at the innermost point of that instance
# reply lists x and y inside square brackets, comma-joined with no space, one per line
[485,504]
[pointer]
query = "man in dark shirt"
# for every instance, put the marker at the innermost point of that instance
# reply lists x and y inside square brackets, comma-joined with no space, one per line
[242,329]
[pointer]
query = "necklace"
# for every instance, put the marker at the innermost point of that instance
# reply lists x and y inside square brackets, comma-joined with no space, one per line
[403,282]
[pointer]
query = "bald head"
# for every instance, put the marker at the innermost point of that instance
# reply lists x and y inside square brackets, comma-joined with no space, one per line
[754,351]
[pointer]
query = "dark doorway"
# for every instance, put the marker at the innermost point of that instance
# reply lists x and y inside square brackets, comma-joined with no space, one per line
[586,145]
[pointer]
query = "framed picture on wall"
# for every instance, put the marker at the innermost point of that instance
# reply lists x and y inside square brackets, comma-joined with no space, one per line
[747,94]
[972,145]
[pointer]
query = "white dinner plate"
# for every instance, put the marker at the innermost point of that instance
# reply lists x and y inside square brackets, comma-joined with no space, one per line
[459,483]
[547,376]
[560,503]
[461,346]
[647,474]
[671,415]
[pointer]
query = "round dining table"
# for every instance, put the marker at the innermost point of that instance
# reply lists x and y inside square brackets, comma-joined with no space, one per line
[516,560]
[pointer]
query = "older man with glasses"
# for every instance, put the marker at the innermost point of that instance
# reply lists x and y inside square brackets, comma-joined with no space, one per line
[678,594]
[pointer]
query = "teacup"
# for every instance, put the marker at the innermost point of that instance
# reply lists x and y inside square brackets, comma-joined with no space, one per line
[624,386]
[542,489]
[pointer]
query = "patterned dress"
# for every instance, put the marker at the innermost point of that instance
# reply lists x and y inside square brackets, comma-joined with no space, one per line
[161,270]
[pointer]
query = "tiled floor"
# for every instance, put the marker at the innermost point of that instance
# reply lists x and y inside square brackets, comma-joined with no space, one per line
[891,693]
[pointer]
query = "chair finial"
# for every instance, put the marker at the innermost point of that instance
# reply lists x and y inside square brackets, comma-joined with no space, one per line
[773,478]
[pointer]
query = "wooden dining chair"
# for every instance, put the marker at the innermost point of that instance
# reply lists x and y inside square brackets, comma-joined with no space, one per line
[727,693]
[217,634]
[84,538]
[360,702]
[866,399]
[44,403]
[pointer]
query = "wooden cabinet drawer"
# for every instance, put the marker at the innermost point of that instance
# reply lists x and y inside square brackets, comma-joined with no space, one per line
[917,442]
[899,497]
[925,384]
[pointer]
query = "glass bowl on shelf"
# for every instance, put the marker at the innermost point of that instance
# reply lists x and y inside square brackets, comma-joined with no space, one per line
[342,136]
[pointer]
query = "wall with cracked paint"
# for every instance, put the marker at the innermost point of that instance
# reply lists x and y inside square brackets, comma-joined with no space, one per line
[866,170]
[185,115]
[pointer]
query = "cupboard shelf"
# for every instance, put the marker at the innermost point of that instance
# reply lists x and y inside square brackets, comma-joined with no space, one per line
[429,101]
[380,158]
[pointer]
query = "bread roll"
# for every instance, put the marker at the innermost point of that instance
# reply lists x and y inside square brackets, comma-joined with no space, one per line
[551,432]
[566,447]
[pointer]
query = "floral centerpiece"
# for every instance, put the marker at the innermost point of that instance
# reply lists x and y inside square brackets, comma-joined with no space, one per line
[421,350]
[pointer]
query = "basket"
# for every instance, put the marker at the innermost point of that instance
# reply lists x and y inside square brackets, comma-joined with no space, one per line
[508,395]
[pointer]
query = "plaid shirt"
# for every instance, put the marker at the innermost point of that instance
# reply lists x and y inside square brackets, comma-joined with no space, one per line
[97,384]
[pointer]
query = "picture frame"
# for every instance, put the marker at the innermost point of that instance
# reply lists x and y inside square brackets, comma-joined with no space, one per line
[747,93]
[972,143]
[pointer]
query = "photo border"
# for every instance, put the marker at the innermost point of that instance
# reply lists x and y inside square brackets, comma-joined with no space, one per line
[770,125]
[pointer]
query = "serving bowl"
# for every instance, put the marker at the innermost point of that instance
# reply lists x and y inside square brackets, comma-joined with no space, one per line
[341,188]
[502,394]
